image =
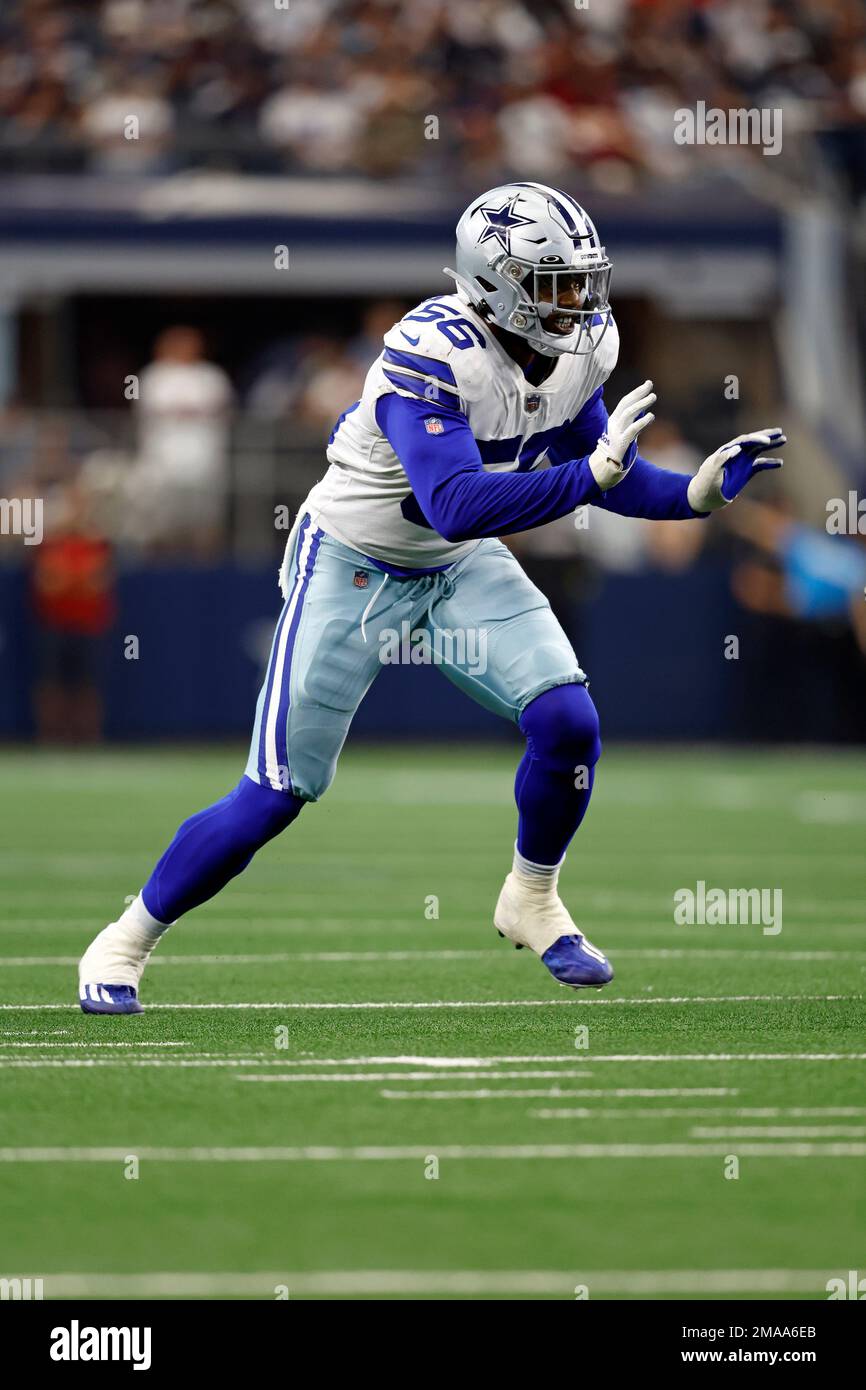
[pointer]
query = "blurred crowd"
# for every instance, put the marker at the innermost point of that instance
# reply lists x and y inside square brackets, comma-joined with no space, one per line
[194,449]
[428,88]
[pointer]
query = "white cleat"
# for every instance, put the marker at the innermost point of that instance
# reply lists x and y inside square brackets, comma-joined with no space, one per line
[111,968]
[535,916]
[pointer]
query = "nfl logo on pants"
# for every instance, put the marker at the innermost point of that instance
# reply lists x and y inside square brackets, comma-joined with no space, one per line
[433,425]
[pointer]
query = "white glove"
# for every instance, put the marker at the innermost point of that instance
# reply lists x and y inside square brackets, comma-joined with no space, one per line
[726,472]
[616,451]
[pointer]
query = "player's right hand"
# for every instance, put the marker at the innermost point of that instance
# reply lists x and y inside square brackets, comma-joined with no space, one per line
[616,451]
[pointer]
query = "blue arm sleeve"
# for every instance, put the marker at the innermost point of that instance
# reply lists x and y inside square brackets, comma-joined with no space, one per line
[456,496]
[657,494]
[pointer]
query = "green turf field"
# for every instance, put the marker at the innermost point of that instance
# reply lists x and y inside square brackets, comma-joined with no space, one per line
[316,1041]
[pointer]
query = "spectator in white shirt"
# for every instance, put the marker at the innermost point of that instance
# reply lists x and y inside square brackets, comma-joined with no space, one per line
[183,443]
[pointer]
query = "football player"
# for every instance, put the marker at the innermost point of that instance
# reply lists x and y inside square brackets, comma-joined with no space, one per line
[473,391]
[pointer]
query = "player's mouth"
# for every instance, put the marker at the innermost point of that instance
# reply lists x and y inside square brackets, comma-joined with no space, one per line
[563,324]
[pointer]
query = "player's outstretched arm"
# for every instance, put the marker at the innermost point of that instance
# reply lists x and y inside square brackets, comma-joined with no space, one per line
[658,494]
[456,496]
[628,484]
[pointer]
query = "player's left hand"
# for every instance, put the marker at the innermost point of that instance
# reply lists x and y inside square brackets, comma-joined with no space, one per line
[725,473]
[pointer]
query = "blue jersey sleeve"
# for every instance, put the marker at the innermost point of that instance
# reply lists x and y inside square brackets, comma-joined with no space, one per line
[455,495]
[583,433]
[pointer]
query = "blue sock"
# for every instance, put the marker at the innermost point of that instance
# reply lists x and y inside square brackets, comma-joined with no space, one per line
[214,845]
[554,780]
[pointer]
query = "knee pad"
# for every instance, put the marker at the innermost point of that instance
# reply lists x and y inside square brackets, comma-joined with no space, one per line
[314,776]
[562,729]
[261,811]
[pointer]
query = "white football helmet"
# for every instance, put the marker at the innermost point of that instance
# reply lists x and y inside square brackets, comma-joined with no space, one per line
[521,247]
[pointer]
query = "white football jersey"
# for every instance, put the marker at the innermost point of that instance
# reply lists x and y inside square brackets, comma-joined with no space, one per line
[443,352]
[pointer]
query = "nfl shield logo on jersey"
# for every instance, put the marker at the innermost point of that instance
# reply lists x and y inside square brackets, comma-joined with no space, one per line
[531,404]
[433,425]
[361,579]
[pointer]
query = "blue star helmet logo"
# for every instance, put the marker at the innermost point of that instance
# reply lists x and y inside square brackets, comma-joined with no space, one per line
[501,222]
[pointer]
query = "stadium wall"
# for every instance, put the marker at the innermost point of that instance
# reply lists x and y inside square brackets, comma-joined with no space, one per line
[656,673]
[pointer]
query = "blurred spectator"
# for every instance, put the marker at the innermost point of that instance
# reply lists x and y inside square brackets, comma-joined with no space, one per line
[179,488]
[333,86]
[313,379]
[798,572]
[72,589]
[670,545]
[537,132]
[379,316]
[333,385]
[275,378]
[314,124]
[801,592]
[18,440]
[628,545]
[128,127]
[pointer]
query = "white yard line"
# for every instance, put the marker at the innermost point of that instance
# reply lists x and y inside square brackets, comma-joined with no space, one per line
[830,807]
[294,1004]
[485,1003]
[344,1077]
[190,1063]
[627,1058]
[176,1284]
[767,953]
[444,954]
[92,1043]
[412,1059]
[409,1152]
[726,999]
[176,1063]
[275,958]
[727,1057]
[459,1064]
[689,1111]
[555,1093]
[778,1131]
[33,1032]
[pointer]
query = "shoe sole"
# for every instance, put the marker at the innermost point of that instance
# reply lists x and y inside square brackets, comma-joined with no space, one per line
[518,945]
[110,1008]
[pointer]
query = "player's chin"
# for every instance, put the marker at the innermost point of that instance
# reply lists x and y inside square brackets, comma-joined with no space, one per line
[561,339]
